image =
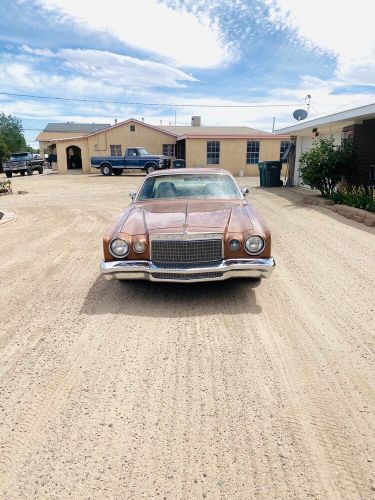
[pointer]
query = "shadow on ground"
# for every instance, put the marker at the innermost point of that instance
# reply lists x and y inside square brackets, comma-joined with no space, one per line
[168,300]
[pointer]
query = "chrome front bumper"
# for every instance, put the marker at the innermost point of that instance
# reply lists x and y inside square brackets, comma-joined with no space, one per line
[146,270]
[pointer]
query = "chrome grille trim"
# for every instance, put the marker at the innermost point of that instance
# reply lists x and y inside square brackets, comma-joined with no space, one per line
[184,253]
[186,277]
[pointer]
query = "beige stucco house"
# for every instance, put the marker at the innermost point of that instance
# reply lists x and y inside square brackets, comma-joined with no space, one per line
[233,148]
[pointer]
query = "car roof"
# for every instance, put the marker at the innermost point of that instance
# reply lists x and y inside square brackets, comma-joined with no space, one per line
[181,171]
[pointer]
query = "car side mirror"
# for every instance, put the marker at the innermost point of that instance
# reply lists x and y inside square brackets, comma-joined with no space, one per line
[245,191]
[132,195]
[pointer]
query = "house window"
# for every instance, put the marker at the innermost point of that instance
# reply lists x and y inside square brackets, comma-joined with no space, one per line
[116,150]
[283,146]
[169,149]
[252,153]
[213,152]
[132,128]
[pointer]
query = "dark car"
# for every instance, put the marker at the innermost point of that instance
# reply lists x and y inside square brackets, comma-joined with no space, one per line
[23,163]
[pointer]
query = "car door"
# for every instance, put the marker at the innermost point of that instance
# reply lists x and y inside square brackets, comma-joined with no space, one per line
[132,159]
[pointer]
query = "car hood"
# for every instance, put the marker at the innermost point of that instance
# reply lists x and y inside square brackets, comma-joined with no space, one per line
[153,157]
[189,216]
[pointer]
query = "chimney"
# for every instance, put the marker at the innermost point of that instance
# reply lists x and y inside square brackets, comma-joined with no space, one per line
[115,121]
[161,122]
[195,121]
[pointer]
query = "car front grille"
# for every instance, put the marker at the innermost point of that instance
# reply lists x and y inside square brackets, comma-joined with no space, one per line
[180,254]
[186,277]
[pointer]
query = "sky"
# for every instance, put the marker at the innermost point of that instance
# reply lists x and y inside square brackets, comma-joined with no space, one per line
[263,56]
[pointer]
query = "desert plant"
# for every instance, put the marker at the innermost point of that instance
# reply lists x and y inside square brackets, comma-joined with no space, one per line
[5,186]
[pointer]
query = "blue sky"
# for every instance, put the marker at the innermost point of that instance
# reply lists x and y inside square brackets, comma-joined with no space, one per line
[185,52]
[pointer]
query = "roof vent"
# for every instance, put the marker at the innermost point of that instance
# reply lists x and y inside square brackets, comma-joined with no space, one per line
[195,121]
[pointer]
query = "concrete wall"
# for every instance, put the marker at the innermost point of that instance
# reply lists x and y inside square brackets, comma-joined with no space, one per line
[61,147]
[232,154]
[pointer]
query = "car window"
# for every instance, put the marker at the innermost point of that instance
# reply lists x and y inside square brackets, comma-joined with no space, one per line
[19,156]
[207,186]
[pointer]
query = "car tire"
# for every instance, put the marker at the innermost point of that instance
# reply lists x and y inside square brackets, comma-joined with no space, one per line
[22,172]
[117,171]
[150,168]
[9,174]
[106,169]
[40,170]
[29,171]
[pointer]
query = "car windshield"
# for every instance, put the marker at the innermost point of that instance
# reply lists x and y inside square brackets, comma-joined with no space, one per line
[201,186]
[18,156]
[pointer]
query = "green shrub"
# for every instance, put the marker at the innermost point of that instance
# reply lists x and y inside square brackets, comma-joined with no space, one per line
[358,197]
[5,186]
[325,163]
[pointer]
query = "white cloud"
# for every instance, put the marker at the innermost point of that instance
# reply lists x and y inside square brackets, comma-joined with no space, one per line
[175,35]
[342,27]
[116,69]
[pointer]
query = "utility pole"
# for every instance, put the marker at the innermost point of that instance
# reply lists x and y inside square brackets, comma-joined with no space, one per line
[273,124]
[175,117]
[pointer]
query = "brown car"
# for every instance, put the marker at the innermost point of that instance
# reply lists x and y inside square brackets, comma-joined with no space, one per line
[188,225]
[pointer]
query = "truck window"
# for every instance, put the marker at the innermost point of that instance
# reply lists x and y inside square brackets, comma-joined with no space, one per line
[132,152]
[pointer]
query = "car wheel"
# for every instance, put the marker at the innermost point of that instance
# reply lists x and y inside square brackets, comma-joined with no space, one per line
[22,172]
[40,170]
[117,171]
[29,171]
[8,174]
[106,169]
[150,168]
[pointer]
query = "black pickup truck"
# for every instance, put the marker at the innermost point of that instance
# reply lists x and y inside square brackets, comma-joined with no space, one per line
[23,163]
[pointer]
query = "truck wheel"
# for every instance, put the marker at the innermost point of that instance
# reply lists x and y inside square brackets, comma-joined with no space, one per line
[40,170]
[8,174]
[117,171]
[22,172]
[29,171]
[150,168]
[106,169]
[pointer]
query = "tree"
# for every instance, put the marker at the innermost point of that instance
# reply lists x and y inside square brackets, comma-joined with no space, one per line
[4,151]
[11,131]
[325,163]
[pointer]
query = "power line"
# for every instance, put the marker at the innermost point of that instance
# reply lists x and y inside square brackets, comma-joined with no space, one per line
[160,104]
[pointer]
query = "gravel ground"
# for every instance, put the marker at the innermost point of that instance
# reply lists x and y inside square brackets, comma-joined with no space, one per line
[228,390]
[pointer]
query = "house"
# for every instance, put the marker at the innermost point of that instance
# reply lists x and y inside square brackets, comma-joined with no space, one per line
[357,123]
[54,131]
[233,148]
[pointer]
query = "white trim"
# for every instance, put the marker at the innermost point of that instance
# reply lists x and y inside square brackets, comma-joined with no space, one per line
[362,112]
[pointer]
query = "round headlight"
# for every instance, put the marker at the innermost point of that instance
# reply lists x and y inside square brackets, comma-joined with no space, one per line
[234,245]
[119,248]
[139,247]
[254,245]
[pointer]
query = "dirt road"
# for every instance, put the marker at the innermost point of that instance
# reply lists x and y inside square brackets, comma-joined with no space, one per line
[235,391]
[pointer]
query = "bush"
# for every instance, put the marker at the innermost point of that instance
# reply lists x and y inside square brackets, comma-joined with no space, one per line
[5,186]
[325,163]
[358,197]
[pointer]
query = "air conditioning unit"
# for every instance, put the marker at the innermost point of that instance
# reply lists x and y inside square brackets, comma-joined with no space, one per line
[347,134]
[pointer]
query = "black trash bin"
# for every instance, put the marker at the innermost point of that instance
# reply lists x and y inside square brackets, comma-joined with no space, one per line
[270,173]
[179,163]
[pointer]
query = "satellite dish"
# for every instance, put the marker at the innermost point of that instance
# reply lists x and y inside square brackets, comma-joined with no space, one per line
[300,114]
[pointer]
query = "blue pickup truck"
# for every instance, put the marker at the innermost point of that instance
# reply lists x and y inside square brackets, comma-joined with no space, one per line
[134,158]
